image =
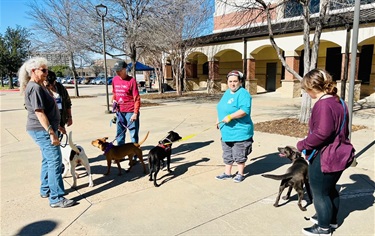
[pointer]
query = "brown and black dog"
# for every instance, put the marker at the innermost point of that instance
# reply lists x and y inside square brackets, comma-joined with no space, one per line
[157,154]
[295,177]
[118,153]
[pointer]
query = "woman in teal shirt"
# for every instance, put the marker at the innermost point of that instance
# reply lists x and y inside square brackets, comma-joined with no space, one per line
[236,126]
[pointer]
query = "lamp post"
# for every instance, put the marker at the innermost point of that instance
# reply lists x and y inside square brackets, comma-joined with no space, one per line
[101,10]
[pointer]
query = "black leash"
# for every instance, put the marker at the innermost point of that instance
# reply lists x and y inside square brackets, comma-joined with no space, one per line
[61,136]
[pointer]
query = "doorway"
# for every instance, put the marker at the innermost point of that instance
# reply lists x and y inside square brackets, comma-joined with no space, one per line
[271,77]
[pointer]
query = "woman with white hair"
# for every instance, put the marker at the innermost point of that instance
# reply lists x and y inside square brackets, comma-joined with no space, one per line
[42,125]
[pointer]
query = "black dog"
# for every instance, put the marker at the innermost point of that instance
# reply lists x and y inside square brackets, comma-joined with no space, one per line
[295,176]
[158,153]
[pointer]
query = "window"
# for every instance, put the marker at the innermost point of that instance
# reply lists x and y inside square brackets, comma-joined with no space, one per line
[294,8]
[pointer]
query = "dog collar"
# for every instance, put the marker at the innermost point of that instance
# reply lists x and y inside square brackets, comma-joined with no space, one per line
[110,145]
[166,147]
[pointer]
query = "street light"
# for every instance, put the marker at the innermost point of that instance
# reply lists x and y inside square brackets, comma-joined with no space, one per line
[101,10]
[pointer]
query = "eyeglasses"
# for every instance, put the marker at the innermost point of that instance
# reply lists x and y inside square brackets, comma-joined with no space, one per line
[43,70]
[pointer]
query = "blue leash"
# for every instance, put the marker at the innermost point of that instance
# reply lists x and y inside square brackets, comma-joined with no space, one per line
[342,126]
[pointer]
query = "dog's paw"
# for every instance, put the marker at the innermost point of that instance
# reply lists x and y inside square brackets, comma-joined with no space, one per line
[276,205]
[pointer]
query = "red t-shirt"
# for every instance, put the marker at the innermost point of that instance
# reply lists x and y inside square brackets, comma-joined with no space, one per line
[126,93]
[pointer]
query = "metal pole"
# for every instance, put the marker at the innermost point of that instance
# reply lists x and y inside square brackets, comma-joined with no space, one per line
[353,65]
[105,68]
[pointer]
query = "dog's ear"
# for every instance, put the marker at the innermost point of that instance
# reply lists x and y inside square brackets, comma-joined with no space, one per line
[105,138]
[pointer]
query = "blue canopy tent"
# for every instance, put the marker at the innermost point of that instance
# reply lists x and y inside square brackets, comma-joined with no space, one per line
[139,67]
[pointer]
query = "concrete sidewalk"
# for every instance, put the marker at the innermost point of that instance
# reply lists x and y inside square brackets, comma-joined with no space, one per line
[190,200]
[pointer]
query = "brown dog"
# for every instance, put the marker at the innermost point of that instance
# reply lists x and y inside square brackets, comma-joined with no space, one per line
[118,153]
[295,176]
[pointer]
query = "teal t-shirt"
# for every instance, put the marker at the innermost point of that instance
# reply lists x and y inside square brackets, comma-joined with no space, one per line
[237,129]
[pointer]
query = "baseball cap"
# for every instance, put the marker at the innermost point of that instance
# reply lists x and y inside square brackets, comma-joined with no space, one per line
[119,65]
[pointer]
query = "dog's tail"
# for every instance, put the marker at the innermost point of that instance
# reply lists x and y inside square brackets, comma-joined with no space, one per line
[140,143]
[279,177]
[71,144]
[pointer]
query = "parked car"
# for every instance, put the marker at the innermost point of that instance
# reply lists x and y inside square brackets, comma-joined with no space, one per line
[110,80]
[88,80]
[5,81]
[16,82]
[99,80]
[93,81]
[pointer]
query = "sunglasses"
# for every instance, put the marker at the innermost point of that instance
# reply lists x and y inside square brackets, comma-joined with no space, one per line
[43,70]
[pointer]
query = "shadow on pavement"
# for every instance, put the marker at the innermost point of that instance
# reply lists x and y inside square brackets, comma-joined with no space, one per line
[180,170]
[265,163]
[38,228]
[188,147]
[357,196]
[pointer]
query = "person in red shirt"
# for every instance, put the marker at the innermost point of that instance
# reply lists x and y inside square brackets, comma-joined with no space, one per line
[126,103]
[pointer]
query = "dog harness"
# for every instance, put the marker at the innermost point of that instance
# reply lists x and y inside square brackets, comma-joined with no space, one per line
[166,147]
[110,145]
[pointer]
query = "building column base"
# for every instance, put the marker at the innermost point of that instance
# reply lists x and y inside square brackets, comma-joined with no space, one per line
[290,88]
[251,86]
[357,89]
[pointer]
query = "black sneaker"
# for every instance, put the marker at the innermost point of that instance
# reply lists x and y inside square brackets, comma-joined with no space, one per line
[63,203]
[314,219]
[316,230]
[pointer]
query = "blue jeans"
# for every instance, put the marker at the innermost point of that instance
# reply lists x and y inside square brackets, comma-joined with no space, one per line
[123,123]
[325,196]
[50,177]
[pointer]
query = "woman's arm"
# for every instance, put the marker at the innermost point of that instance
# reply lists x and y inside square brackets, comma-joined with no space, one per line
[47,126]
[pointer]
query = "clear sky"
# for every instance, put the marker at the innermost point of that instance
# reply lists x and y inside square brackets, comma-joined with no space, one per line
[13,13]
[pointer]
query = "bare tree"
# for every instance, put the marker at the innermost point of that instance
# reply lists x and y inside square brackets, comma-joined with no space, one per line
[55,22]
[260,11]
[172,23]
[124,28]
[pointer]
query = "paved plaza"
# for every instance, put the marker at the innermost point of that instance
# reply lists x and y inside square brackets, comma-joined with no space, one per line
[190,201]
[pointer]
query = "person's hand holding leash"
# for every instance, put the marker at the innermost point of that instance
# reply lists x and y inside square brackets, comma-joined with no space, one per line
[134,117]
[62,130]
[54,139]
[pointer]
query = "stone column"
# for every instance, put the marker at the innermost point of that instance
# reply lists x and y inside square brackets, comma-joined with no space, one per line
[214,81]
[290,86]
[251,82]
